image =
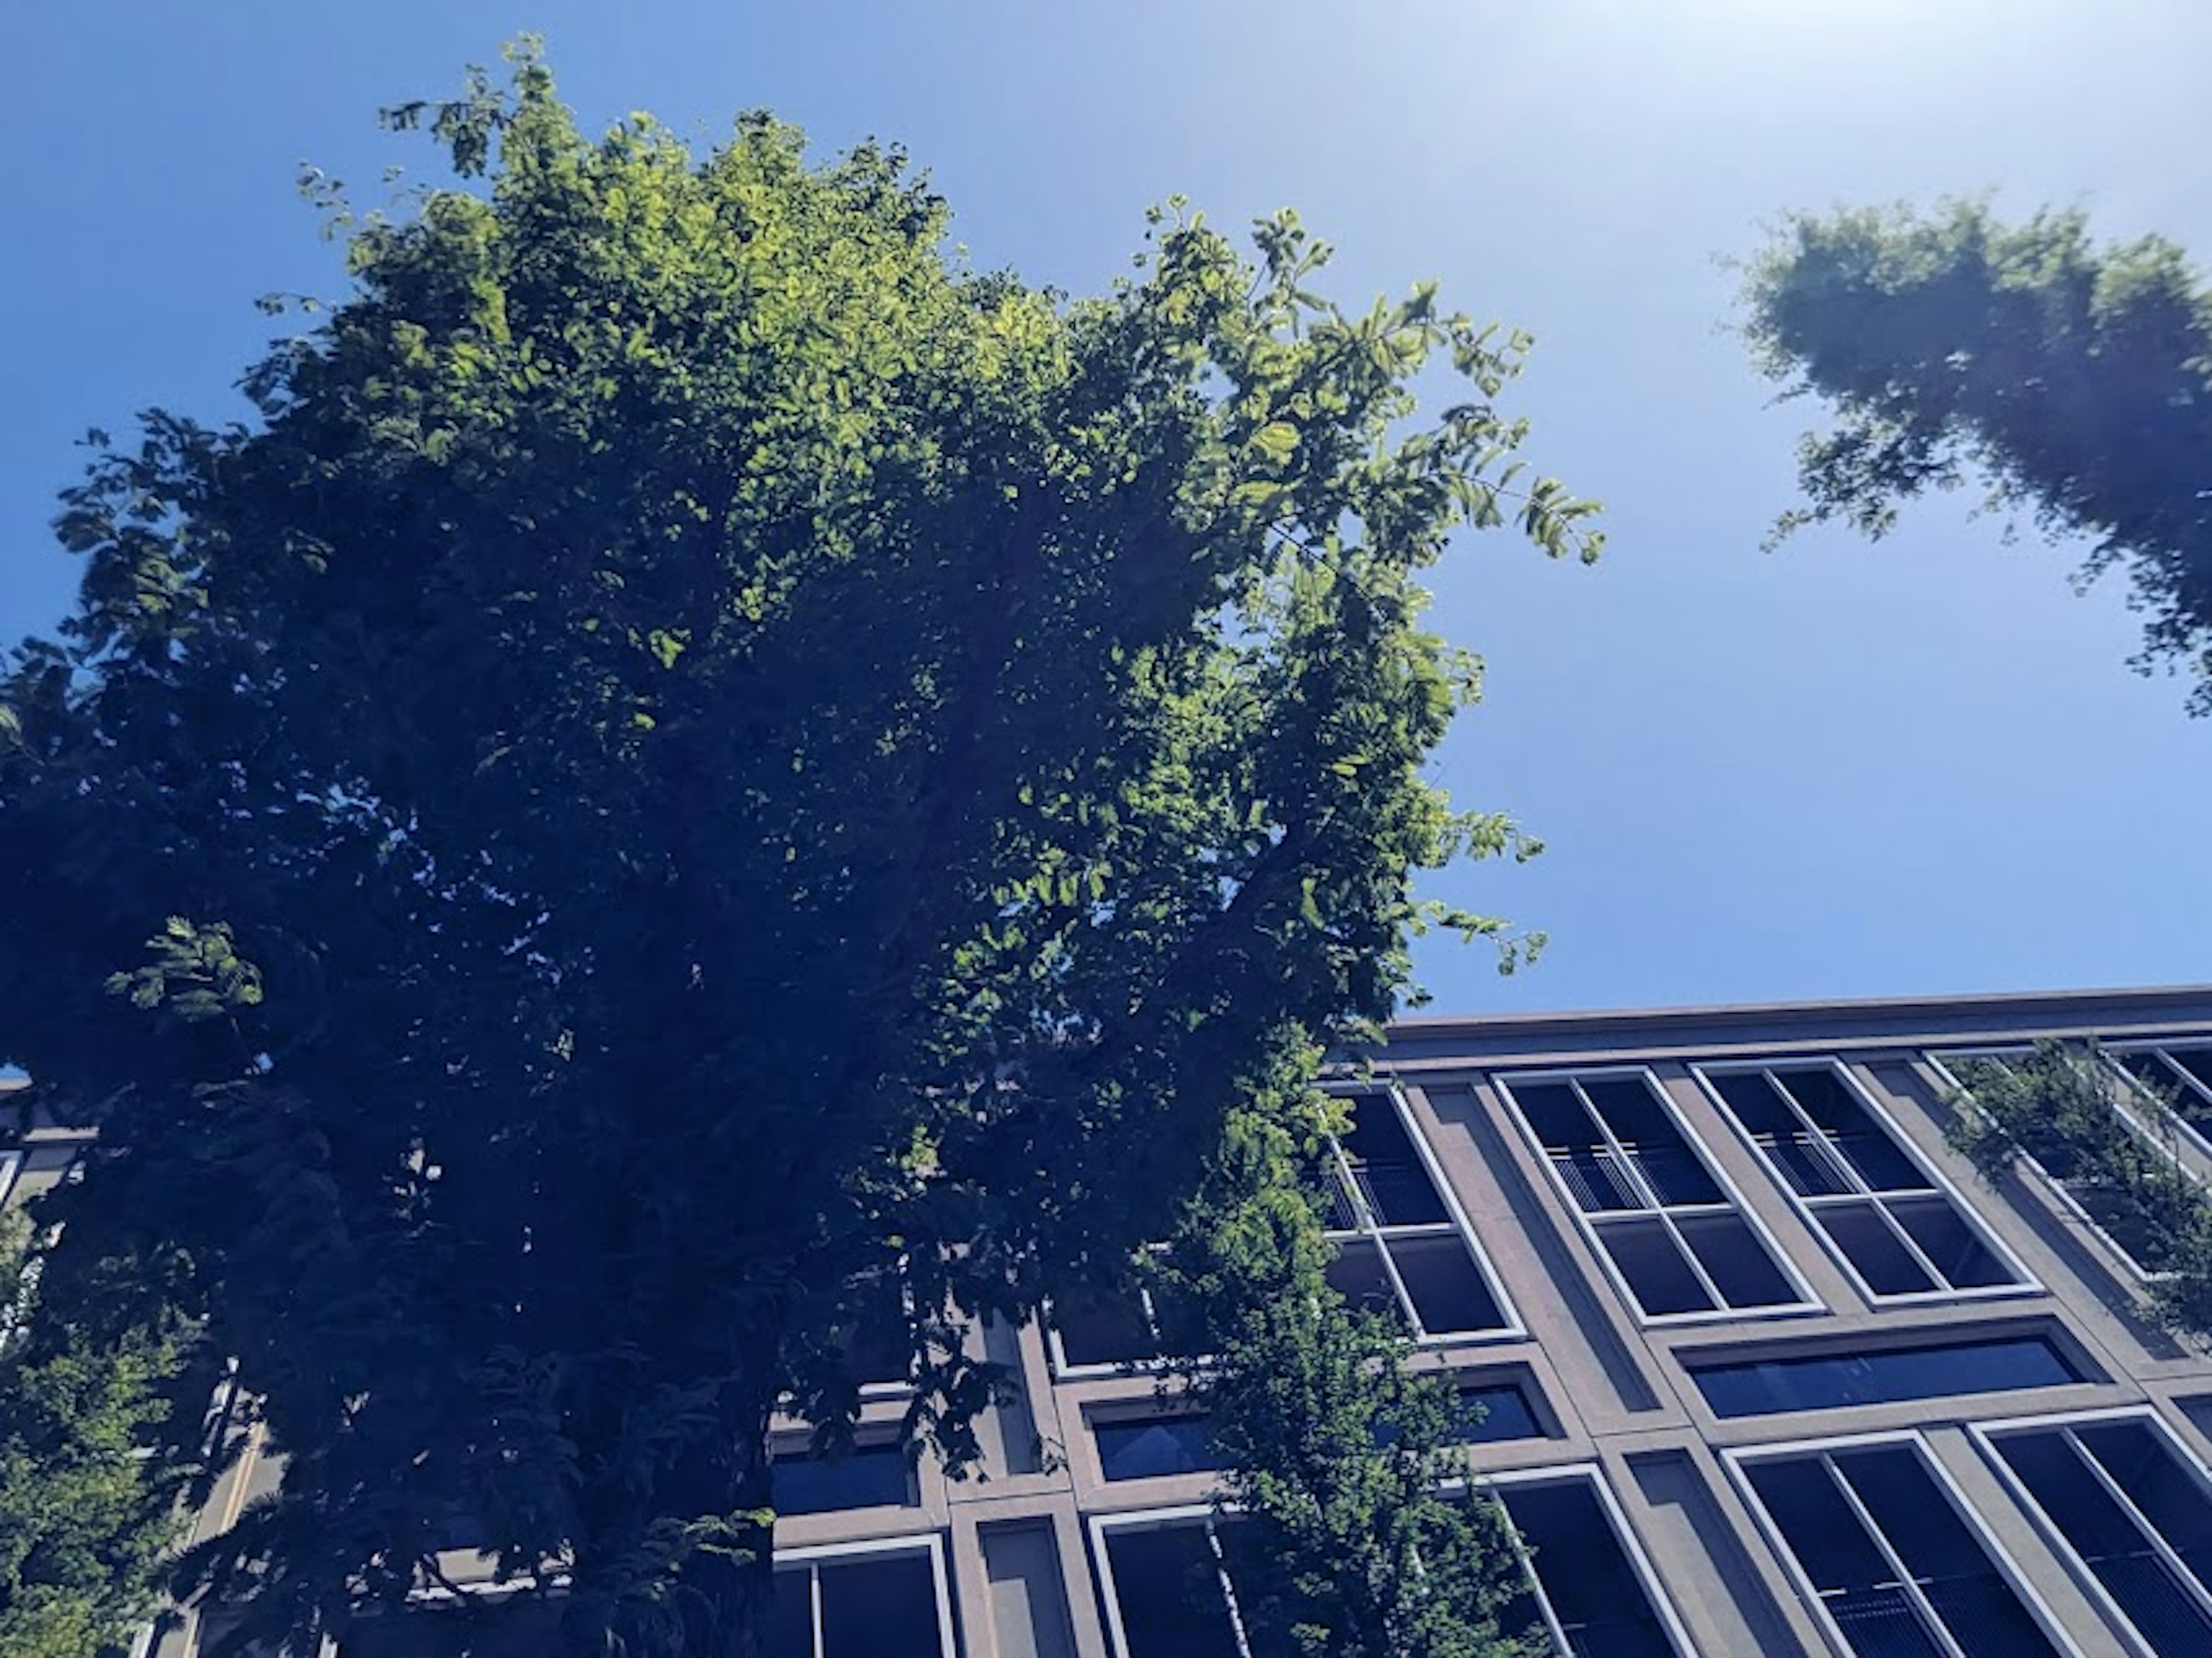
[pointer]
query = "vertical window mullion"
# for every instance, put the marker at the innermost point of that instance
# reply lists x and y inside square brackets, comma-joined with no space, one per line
[2185,1579]
[1909,1585]
[814,1603]
[1227,1593]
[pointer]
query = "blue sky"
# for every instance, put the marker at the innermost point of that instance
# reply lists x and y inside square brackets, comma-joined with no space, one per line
[1918,766]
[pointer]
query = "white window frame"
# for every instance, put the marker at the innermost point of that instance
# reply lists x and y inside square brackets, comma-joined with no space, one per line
[929,1542]
[2025,1282]
[1373,1230]
[1057,1354]
[1369,1231]
[1670,1622]
[1985,1436]
[1639,1562]
[2114,1053]
[1186,1513]
[1939,1062]
[1732,1196]
[1739,1462]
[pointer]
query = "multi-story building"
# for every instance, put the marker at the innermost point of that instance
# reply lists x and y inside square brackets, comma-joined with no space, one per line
[1767,1367]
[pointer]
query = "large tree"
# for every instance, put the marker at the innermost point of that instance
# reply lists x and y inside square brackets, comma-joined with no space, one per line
[702,778]
[2073,380]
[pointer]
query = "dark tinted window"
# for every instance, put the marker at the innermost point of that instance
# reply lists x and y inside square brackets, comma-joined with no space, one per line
[1505,1414]
[1168,1590]
[1829,1381]
[2168,1599]
[1148,1448]
[866,1477]
[1583,1572]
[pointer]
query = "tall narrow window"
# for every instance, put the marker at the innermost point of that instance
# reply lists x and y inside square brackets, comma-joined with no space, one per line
[1670,1230]
[2111,1213]
[2179,1075]
[1887,1214]
[2134,1511]
[884,1602]
[1167,1589]
[1889,1555]
[1590,1592]
[1403,1247]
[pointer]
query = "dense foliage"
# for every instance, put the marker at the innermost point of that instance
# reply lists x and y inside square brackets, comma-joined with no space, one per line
[2060,1107]
[703,779]
[2076,380]
[86,1527]
[1351,1531]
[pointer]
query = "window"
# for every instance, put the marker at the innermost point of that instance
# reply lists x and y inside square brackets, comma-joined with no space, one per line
[1092,1328]
[1899,1228]
[1672,1232]
[884,1601]
[1832,1381]
[454,1626]
[1166,1587]
[1502,1411]
[1589,1585]
[1169,1590]
[1403,1246]
[1889,1553]
[2179,1075]
[1151,1447]
[2132,1509]
[2112,1213]
[866,1475]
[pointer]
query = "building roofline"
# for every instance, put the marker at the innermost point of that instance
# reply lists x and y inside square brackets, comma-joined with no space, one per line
[2143,998]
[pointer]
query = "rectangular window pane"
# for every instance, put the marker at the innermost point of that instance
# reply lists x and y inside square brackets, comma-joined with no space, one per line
[1168,1592]
[1151,1447]
[1858,1137]
[1101,1329]
[868,1476]
[1387,1166]
[1891,1557]
[1735,1261]
[1505,1413]
[1584,1573]
[1874,1249]
[1832,1381]
[1358,1276]
[2169,1603]
[880,1605]
[1659,1275]
[1853,1578]
[1447,1287]
[1953,1248]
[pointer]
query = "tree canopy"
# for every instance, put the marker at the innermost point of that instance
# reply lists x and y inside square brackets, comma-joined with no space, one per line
[2075,380]
[701,780]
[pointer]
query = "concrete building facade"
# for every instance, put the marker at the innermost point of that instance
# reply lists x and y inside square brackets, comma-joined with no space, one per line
[1767,1367]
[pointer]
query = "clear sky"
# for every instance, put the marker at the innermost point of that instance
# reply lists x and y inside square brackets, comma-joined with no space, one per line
[1840,770]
